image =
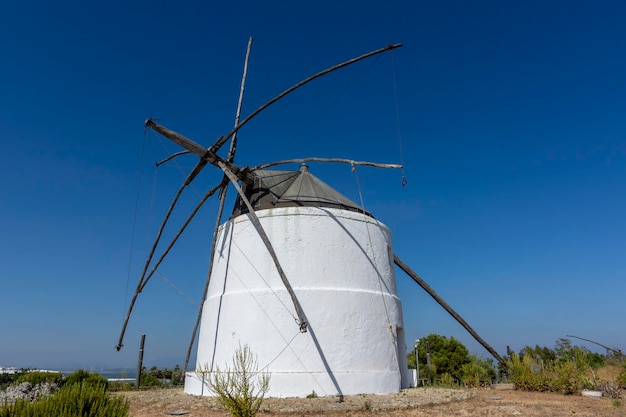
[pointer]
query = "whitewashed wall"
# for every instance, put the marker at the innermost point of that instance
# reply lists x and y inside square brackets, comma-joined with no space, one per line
[340,265]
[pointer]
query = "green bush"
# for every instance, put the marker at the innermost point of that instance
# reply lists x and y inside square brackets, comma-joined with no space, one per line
[149,380]
[8,379]
[621,379]
[38,377]
[240,388]
[448,381]
[476,371]
[565,376]
[91,378]
[80,399]
[527,373]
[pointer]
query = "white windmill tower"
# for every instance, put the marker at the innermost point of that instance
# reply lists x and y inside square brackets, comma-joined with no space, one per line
[295,249]
[339,263]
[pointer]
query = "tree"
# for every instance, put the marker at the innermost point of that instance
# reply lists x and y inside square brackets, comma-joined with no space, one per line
[447,356]
[541,354]
[563,348]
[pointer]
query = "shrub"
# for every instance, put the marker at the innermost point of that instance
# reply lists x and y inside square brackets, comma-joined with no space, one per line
[448,380]
[74,400]
[235,387]
[565,375]
[38,377]
[527,373]
[7,379]
[150,380]
[90,378]
[476,371]
[621,379]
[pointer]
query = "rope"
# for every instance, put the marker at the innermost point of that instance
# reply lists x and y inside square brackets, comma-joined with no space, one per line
[262,279]
[287,345]
[281,352]
[134,227]
[331,103]
[371,245]
[175,287]
[395,93]
[152,198]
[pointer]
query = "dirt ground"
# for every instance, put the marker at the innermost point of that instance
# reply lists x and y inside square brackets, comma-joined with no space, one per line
[431,402]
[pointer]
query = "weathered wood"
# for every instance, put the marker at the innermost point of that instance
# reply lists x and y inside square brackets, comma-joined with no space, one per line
[143,279]
[222,139]
[205,291]
[220,211]
[209,156]
[615,351]
[233,142]
[336,160]
[169,158]
[140,362]
[218,144]
[268,245]
[180,231]
[446,307]
[206,155]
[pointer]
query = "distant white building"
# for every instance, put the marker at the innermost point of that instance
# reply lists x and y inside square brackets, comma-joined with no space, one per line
[10,370]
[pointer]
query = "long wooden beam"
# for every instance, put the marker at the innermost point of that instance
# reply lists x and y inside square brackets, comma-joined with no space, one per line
[143,279]
[218,144]
[205,154]
[220,211]
[447,307]
[334,160]
[196,149]
[268,245]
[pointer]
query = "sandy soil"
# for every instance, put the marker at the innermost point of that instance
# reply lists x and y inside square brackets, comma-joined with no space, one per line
[432,402]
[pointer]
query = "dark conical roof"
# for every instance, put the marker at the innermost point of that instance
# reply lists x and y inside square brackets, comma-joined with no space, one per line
[272,188]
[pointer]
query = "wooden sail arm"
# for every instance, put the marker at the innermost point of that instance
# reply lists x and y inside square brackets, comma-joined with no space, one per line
[205,154]
[169,158]
[143,280]
[218,144]
[220,211]
[313,159]
[447,307]
[210,154]
[268,245]
[615,351]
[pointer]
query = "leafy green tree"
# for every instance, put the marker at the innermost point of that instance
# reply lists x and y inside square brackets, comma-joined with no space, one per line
[447,356]
[541,354]
[178,376]
[563,348]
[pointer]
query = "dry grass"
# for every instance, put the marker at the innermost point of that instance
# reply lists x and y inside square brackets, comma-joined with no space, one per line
[609,372]
[431,402]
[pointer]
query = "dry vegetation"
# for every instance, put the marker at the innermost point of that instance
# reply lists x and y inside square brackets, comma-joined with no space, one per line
[432,402]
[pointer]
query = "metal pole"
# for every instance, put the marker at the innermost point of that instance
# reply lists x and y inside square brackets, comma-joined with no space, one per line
[417,363]
[430,370]
[140,361]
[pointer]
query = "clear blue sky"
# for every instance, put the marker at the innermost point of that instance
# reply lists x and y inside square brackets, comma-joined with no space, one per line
[513,134]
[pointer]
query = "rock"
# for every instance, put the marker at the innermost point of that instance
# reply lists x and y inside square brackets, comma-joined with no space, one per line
[26,390]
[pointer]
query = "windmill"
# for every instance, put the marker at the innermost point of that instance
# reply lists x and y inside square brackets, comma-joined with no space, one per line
[299,272]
